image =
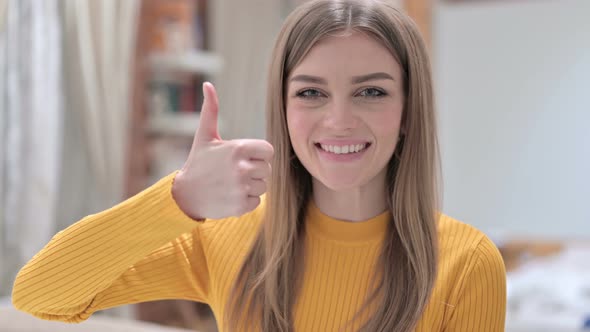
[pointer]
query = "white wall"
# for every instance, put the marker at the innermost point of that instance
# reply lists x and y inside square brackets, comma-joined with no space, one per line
[513,89]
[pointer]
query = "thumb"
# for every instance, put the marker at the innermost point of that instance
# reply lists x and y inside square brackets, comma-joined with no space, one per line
[207,130]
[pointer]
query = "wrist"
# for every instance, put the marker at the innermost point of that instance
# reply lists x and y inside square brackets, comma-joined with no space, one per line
[181,195]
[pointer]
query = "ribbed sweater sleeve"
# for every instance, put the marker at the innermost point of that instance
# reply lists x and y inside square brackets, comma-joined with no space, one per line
[480,302]
[142,249]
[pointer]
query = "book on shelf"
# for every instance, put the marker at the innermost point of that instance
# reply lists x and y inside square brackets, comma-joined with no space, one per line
[175,97]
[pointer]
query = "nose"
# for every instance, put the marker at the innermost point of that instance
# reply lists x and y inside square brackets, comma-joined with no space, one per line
[340,116]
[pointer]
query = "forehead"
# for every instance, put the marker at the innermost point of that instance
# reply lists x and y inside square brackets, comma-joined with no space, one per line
[347,54]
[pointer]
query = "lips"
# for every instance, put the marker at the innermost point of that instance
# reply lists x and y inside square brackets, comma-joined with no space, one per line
[343,149]
[342,146]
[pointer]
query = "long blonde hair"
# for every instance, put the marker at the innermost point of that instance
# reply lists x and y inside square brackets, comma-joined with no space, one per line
[265,291]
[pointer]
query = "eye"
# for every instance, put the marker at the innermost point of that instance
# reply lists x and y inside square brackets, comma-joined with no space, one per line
[309,94]
[373,93]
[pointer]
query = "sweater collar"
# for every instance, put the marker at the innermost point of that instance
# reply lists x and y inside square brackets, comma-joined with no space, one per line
[346,231]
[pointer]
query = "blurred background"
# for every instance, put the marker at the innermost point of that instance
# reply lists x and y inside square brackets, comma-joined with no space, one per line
[99,99]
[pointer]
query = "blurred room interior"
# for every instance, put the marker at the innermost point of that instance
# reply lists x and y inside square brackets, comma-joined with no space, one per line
[99,99]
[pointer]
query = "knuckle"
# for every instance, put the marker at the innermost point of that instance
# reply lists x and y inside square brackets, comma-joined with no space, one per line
[242,170]
[259,188]
[246,188]
[271,149]
[239,191]
[267,145]
[239,148]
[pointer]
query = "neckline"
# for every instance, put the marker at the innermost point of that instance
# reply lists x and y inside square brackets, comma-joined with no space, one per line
[346,231]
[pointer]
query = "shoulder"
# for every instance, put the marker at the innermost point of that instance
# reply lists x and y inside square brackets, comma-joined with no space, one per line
[458,240]
[470,289]
[466,253]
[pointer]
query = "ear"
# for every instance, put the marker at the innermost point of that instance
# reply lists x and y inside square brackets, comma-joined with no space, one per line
[403,126]
[402,131]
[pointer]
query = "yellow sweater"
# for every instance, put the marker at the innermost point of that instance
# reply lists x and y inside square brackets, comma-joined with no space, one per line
[146,249]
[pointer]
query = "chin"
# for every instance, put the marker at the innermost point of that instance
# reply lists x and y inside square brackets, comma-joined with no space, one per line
[339,185]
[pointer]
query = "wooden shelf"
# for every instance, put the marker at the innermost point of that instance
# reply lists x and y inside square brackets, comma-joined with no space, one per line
[198,62]
[173,124]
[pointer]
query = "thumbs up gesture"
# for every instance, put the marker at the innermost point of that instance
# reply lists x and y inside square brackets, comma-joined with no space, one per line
[221,178]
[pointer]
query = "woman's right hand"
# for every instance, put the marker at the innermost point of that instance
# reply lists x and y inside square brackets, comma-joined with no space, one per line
[221,178]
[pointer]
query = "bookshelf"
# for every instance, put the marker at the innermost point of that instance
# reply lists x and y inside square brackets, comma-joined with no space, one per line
[171,62]
[192,61]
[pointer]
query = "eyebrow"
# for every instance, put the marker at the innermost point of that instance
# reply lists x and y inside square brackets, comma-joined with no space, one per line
[371,77]
[354,80]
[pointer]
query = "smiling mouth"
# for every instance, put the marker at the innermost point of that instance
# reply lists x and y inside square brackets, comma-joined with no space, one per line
[343,149]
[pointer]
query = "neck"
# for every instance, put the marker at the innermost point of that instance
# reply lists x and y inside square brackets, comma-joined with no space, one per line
[356,204]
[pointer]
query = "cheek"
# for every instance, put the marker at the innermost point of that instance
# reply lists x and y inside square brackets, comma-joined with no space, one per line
[387,129]
[298,125]
[386,124]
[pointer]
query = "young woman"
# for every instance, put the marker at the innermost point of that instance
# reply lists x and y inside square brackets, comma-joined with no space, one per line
[348,236]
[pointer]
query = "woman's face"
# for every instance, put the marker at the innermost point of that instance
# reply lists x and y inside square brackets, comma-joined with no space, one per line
[344,108]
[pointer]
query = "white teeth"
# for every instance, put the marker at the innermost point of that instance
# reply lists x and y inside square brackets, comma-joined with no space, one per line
[337,149]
